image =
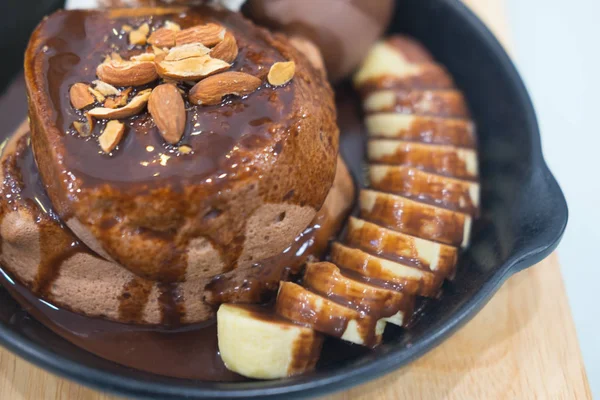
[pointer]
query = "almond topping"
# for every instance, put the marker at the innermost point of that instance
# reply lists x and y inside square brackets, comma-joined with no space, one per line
[281,73]
[143,57]
[80,96]
[172,26]
[84,128]
[209,35]
[118,101]
[112,135]
[185,149]
[105,88]
[158,51]
[212,89]
[168,111]
[187,51]
[139,36]
[193,68]
[227,50]
[126,28]
[99,96]
[127,73]
[162,37]
[116,56]
[136,105]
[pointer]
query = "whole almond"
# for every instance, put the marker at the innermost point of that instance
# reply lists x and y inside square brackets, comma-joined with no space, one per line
[281,73]
[211,90]
[163,37]
[227,50]
[134,107]
[168,111]
[81,96]
[127,73]
[209,35]
[111,136]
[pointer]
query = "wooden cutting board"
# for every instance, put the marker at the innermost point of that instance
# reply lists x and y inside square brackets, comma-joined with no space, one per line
[521,345]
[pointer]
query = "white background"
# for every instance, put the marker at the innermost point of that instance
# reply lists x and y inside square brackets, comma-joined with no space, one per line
[556,45]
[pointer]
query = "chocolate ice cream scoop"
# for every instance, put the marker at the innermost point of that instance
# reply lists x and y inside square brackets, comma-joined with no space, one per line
[344,30]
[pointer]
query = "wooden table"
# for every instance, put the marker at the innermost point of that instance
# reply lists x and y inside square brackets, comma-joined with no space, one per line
[521,345]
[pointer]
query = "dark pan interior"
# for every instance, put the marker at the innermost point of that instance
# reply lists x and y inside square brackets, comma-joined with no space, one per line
[524,216]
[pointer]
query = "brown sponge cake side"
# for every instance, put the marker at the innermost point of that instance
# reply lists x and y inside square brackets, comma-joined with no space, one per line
[44,255]
[258,157]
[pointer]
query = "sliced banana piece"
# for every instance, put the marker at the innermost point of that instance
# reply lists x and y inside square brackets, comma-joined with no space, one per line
[405,249]
[326,279]
[414,218]
[454,194]
[259,345]
[440,159]
[389,66]
[439,103]
[323,315]
[456,132]
[386,273]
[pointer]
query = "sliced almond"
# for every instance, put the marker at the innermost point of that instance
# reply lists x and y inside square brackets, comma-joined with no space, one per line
[112,135]
[172,26]
[227,50]
[185,149]
[139,36]
[116,56]
[212,89]
[127,73]
[97,95]
[105,88]
[118,101]
[158,51]
[162,37]
[136,105]
[281,73]
[193,68]
[144,57]
[187,51]
[84,128]
[126,28]
[209,35]
[80,96]
[168,111]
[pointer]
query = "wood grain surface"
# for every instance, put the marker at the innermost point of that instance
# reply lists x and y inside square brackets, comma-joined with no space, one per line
[522,345]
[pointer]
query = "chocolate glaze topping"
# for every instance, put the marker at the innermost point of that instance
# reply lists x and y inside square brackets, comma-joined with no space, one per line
[219,135]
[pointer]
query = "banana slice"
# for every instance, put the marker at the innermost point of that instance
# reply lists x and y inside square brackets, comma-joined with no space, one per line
[323,315]
[439,103]
[260,345]
[440,159]
[386,273]
[405,249]
[416,219]
[454,194]
[326,279]
[393,66]
[456,132]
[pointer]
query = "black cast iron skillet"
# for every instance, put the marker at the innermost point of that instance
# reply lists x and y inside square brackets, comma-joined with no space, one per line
[524,216]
